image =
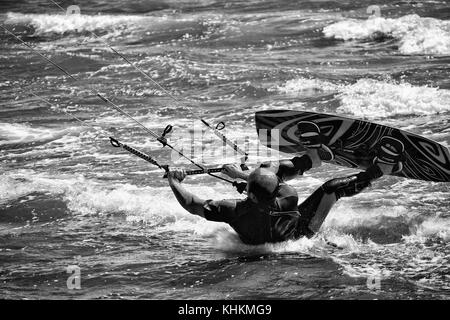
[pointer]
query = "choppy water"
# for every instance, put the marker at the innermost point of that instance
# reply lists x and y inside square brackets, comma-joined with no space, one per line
[68,198]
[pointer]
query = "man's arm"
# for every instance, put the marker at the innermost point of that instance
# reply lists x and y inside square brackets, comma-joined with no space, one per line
[187,200]
[219,211]
[235,172]
[284,169]
[289,169]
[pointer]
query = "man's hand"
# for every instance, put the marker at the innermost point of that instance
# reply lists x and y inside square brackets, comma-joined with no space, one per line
[232,170]
[176,175]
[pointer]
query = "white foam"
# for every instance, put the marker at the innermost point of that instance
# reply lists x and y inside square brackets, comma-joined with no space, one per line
[61,23]
[433,227]
[91,197]
[302,85]
[14,186]
[375,98]
[370,98]
[416,35]
[362,222]
[158,207]
[14,133]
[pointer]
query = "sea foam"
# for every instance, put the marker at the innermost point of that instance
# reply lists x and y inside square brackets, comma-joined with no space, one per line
[60,23]
[416,35]
[371,98]
[16,135]
[374,98]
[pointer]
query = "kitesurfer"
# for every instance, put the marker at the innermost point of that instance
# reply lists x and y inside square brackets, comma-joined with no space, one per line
[271,212]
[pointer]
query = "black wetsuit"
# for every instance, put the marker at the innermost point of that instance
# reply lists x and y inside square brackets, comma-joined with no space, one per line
[254,224]
[286,220]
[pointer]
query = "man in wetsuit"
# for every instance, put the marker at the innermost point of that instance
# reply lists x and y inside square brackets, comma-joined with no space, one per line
[270,212]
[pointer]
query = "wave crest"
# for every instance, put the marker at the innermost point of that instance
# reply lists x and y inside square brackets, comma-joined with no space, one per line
[417,35]
[59,23]
[371,98]
[374,98]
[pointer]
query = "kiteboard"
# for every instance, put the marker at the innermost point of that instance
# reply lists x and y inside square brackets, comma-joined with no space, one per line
[354,142]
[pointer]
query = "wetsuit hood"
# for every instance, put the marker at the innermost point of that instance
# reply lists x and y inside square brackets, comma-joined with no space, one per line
[263,184]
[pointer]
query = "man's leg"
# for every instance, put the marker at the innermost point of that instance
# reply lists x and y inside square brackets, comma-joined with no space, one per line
[316,207]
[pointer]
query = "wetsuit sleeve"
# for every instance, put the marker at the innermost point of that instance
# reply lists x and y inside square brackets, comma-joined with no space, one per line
[289,169]
[220,211]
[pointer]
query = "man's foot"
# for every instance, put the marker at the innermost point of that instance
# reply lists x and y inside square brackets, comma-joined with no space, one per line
[390,155]
[310,137]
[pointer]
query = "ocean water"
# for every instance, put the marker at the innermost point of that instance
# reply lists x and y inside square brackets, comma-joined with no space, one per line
[68,198]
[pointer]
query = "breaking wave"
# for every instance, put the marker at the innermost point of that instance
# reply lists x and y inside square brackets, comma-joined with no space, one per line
[60,23]
[13,135]
[416,35]
[372,98]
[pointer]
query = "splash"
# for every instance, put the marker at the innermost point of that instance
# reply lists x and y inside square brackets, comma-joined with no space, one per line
[25,182]
[421,251]
[348,227]
[153,206]
[416,35]
[432,228]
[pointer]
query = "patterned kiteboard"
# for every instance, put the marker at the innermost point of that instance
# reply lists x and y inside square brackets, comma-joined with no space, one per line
[354,142]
